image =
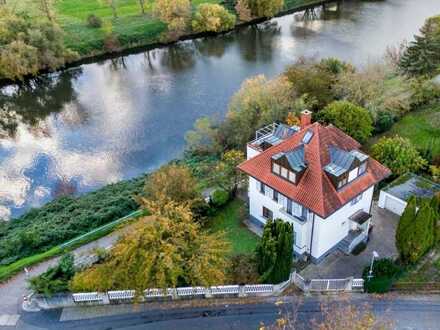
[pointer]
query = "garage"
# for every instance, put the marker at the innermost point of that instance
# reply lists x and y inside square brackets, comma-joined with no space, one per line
[395,195]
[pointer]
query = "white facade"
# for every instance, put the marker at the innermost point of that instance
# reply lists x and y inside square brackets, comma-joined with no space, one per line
[327,233]
[391,203]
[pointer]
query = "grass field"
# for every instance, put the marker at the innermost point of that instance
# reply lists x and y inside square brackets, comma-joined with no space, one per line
[230,219]
[131,27]
[422,127]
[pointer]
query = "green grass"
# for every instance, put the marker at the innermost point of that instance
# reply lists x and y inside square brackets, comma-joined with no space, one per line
[230,219]
[422,127]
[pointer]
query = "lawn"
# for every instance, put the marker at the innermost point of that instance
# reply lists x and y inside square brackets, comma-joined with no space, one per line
[422,127]
[131,27]
[230,219]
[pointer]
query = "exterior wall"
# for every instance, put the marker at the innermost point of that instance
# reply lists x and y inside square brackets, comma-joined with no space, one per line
[251,152]
[256,202]
[385,198]
[330,231]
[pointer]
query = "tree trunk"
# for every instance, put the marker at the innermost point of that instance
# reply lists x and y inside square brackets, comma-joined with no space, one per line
[142,4]
[113,6]
[46,9]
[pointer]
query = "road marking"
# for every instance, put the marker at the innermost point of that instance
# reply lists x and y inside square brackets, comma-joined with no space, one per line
[9,320]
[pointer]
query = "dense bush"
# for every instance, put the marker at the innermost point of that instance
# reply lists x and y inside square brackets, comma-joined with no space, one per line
[94,21]
[384,121]
[350,118]
[385,271]
[212,18]
[219,198]
[55,279]
[398,154]
[243,269]
[65,218]
[28,45]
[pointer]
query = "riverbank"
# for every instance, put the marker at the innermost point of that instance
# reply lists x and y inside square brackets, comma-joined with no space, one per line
[137,33]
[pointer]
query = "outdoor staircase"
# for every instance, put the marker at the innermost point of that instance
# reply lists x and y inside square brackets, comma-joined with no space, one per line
[344,245]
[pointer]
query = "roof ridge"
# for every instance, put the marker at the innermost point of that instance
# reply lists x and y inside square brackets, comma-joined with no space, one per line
[321,186]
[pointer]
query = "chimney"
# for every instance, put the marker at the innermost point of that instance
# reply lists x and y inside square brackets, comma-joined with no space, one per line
[306,118]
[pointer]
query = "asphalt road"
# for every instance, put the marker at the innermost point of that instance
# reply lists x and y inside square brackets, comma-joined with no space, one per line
[406,312]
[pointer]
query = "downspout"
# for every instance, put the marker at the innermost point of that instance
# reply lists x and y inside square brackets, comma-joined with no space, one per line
[311,236]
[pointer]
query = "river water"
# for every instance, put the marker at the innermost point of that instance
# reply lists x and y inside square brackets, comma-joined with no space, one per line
[99,123]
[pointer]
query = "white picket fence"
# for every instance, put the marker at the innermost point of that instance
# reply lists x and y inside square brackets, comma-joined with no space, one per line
[327,285]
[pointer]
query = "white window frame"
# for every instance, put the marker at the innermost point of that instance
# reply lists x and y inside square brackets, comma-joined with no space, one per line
[284,172]
[292,176]
[357,199]
[353,174]
[362,168]
[274,167]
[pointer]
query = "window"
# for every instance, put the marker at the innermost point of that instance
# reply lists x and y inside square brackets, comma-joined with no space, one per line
[356,199]
[276,168]
[292,176]
[342,182]
[268,214]
[289,206]
[262,187]
[363,168]
[275,196]
[353,174]
[284,172]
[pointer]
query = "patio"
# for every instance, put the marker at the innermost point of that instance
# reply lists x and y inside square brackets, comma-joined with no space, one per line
[339,265]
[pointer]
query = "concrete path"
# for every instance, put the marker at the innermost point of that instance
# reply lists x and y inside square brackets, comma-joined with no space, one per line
[382,240]
[12,291]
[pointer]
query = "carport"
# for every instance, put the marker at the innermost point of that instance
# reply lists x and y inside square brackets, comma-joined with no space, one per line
[395,196]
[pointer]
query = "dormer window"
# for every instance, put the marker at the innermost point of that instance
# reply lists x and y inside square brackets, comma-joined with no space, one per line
[345,166]
[289,165]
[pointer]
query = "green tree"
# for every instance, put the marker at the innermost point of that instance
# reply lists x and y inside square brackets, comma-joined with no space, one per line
[167,249]
[202,139]
[422,57]
[28,45]
[313,82]
[258,102]
[422,236]
[350,118]
[405,229]
[398,154]
[212,18]
[227,176]
[275,252]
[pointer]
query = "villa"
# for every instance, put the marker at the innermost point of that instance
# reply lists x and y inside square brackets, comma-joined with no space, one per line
[316,178]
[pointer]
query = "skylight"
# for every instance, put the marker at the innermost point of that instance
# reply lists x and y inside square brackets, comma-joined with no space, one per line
[307,137]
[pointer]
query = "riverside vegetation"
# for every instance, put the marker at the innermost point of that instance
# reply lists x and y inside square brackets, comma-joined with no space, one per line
[383,91]
[46,34]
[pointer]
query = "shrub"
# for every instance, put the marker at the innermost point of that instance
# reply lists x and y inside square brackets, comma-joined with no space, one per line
[94,21]
[220,197]
[111,42]
[265,8]
[398,154]
[55,279]
[212,18]
[243,269]
[384,121]
[385,271]
[359,248]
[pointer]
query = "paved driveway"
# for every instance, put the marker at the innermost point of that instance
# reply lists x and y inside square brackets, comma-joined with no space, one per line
[382,240]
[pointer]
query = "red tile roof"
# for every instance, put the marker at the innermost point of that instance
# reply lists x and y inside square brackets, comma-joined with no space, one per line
[315,190]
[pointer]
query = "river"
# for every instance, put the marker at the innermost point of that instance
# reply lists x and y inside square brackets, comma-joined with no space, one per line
[99,123]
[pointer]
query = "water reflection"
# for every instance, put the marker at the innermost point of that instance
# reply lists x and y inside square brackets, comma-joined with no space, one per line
[78,130]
